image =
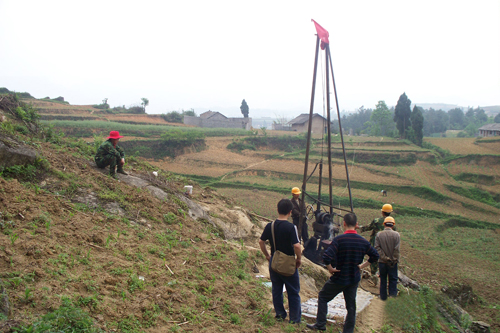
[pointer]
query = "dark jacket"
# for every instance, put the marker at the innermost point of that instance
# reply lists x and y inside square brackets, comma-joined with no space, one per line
[296,208]
[345,253]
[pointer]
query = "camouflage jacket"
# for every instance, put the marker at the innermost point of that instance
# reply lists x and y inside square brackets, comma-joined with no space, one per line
[375,226]
[106,150]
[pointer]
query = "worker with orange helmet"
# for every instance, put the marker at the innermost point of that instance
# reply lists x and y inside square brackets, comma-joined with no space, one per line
[375,226]
[296,201]
[387,244]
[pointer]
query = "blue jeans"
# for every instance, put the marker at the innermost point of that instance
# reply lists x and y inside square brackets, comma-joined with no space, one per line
[292,285]
[391,273]
[329,291]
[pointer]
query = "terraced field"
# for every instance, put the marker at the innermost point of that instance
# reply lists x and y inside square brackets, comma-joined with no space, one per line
[446,204]
[464,146]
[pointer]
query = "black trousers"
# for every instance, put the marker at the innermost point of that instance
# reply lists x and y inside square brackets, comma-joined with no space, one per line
[305,233]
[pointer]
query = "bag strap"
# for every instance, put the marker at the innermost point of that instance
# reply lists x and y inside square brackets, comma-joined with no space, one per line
[274,241]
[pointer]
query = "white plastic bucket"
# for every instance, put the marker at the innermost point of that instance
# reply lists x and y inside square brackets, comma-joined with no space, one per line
[188,189]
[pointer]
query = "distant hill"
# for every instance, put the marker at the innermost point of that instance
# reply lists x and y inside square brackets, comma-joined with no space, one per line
[439,106]
[490,110]
[4,90]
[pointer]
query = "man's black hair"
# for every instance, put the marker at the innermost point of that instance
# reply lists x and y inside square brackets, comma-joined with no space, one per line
[386,214]
[350,219]
[285,206]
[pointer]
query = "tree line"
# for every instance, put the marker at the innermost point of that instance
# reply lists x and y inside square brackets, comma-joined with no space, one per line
[403,122]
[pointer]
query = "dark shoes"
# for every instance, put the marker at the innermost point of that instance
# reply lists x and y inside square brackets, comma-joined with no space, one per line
[316,328]
[112,173]
[122,172]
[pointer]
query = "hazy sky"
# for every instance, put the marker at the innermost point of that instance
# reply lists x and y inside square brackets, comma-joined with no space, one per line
[212,54]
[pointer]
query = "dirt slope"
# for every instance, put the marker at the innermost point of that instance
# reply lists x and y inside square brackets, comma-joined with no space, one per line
[133,261]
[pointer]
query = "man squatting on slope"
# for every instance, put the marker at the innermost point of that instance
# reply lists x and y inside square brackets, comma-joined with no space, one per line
[343,259]
[287,241]
[375,226]
[109,153]
[387,245]
[296,214]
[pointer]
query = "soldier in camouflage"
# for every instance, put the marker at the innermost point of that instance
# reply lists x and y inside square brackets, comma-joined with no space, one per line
[109,153]
[375,226]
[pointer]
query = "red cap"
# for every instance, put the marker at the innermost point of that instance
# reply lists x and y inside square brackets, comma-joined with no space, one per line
[114,135]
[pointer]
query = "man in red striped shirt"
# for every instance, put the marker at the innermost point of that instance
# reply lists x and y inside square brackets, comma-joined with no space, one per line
[344,260]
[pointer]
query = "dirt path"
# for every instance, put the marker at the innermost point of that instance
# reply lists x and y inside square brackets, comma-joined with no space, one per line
[372,318]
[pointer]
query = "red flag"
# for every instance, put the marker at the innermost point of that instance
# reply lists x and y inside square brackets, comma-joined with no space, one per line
[322,34]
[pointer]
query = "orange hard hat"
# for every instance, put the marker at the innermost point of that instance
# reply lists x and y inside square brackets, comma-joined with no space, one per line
[296,190]
[387,208]
[389,220]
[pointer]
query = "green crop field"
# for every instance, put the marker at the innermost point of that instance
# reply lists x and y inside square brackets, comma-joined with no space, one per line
[87,128]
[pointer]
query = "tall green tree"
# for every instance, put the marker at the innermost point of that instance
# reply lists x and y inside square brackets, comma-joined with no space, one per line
[497,118]
[244,108]
[481,116]
[358,121]
[381,123]
[435,121]
[145,102]
[417,124]
[470,116]
[457,119]
[402,115]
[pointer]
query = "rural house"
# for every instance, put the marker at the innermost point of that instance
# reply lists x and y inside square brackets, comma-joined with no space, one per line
[214,119]
[489,130]
[213,115]
[301,123]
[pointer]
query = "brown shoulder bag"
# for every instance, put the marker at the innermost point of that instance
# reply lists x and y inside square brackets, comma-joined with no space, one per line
[282,263]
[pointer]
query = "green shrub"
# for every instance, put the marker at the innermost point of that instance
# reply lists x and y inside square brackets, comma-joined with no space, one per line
[67,318]
[169,218]
[240,145]
[173,117]
[415,312]
[26,112]
[26,172]
[21,129]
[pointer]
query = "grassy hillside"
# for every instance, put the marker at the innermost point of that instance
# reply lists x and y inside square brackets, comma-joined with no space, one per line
[75,240]
[79,249]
